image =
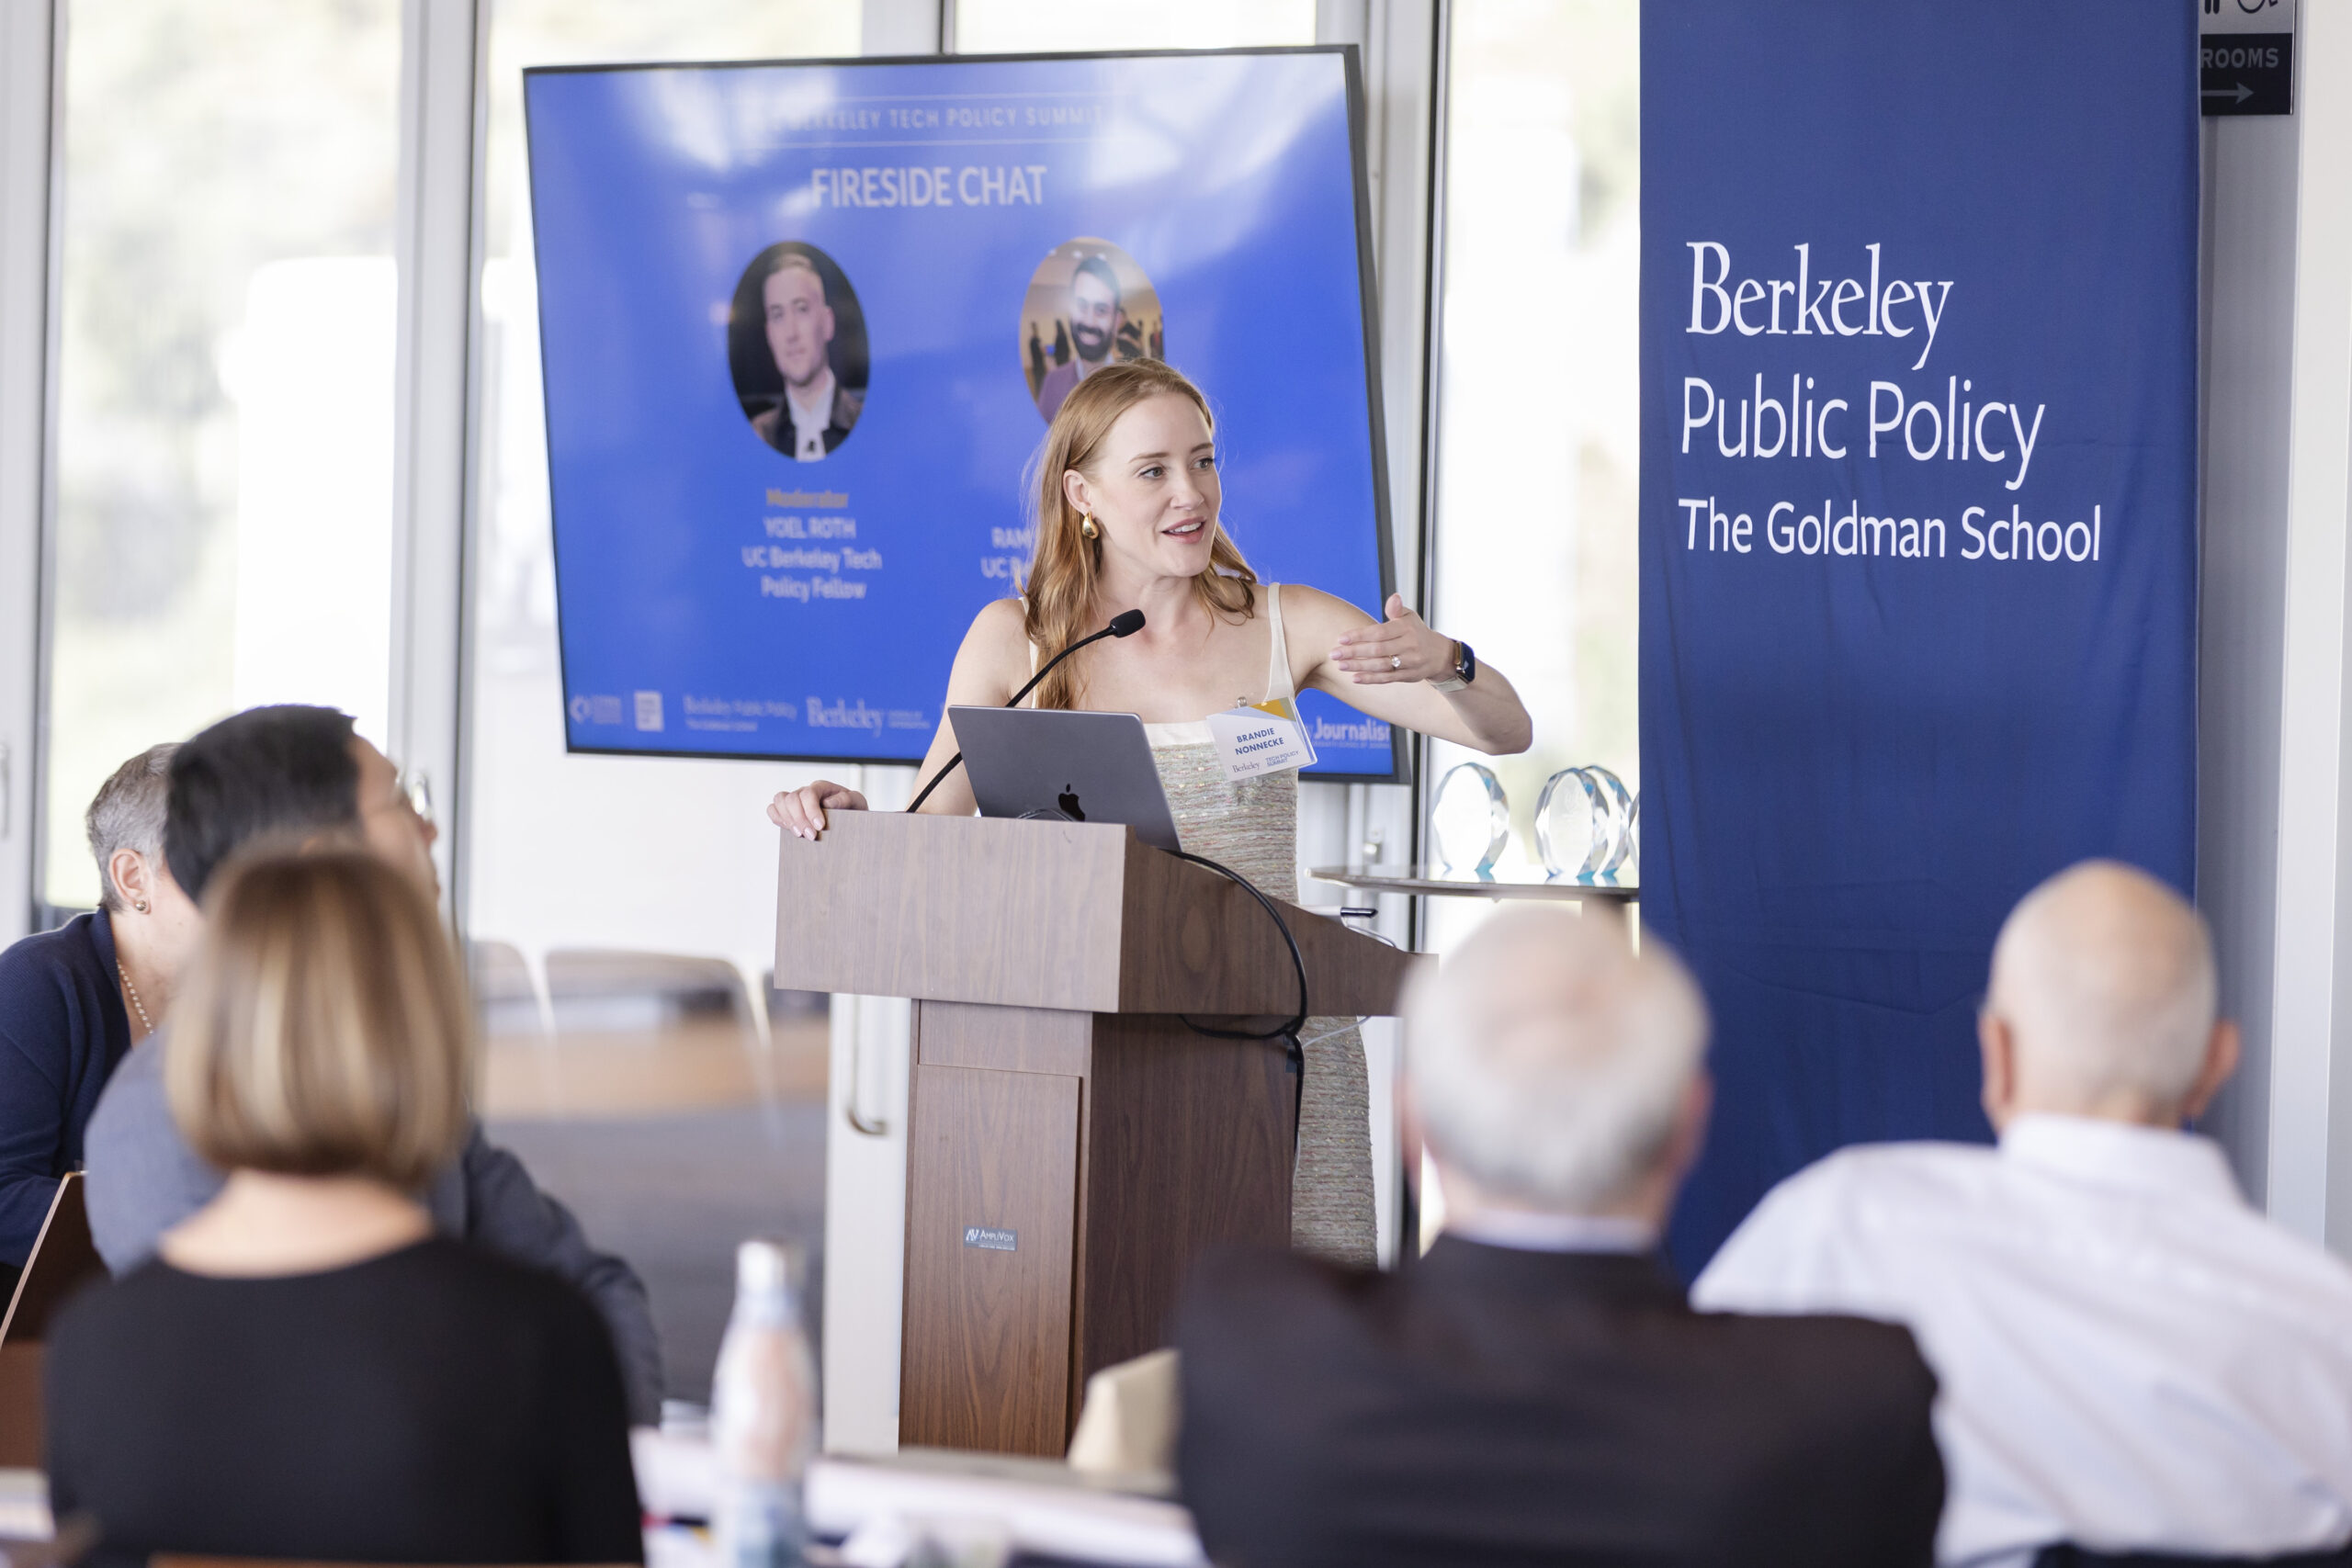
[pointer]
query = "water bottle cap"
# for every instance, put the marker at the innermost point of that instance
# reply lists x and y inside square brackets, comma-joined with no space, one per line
[761,1269]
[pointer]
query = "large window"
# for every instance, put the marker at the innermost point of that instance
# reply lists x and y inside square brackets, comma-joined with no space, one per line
[621,908]
[1020,27]
[224,436]
[1537,471]
[1538,478]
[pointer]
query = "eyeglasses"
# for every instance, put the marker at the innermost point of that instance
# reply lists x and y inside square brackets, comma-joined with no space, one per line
[417,789]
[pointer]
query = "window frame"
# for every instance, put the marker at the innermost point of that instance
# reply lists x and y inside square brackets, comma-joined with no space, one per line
[31,62]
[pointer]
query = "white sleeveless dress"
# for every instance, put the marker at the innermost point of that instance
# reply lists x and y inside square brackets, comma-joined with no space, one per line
[1253,827]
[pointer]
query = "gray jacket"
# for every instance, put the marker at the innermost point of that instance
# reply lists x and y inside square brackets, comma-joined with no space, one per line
[142,1179]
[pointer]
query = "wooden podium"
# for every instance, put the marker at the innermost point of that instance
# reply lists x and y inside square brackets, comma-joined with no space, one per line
[1072,1146]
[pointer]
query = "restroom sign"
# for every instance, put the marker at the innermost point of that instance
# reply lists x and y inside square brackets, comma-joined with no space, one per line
[2246,56]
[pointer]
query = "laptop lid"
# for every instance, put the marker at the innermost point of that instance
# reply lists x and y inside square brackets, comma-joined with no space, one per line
[1061,764]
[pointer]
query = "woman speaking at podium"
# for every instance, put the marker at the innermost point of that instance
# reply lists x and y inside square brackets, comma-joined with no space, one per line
[1128,498]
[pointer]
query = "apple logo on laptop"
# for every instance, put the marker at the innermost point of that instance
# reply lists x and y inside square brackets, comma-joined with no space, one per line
[1068,801]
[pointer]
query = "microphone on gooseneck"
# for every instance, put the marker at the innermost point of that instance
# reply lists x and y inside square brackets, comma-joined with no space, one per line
[1124,624]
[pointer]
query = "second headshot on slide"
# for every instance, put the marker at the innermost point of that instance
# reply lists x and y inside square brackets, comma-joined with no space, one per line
[1089,305]
[795,344]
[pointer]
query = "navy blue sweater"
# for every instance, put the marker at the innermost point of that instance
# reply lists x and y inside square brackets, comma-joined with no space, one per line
[63,1029]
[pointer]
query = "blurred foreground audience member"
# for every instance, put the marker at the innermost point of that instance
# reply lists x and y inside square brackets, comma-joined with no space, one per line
[73,1002]
[2131,1359]
[300,773]
[305,1371]
[1536,1390]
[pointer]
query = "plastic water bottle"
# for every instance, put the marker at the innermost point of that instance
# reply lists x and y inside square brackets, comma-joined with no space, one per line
[764,1415]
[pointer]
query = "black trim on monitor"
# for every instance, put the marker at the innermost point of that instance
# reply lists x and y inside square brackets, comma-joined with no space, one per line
[1368,298]
[1400,770]
[1433,349]
[745,756]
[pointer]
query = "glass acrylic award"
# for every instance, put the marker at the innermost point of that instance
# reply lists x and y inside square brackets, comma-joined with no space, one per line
[1470,819]
[1576,831]
[1621,816]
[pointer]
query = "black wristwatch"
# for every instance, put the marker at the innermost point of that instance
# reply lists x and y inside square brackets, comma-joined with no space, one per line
[1466,669]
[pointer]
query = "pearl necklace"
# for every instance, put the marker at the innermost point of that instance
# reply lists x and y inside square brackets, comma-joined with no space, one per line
[146,1024]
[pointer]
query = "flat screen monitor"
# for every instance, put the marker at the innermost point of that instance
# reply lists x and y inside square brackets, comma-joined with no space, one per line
[802,326]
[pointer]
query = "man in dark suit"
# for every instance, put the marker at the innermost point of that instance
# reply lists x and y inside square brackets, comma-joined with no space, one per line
[1537,1390]
[816,412]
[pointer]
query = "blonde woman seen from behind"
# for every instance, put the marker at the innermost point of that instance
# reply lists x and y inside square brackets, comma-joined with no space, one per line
[1127,503]
[305,1371]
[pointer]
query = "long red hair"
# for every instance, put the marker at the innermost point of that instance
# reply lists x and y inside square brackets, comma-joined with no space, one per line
[1064,573]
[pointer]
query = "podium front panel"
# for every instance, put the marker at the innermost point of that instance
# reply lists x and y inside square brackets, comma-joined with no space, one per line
[991,1177]
[1187,1144]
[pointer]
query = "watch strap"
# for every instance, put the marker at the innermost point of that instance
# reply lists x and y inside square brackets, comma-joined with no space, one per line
[1466,669]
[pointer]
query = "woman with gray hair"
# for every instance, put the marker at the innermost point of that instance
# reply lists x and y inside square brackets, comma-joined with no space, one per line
[73,1002]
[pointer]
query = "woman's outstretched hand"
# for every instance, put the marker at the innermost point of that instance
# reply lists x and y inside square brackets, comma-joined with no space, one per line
[1402,647]
[802,812]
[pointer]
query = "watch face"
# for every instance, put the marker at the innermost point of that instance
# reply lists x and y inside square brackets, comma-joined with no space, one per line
[1466,666]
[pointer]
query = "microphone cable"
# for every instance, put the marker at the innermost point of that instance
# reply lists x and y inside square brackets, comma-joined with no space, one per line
[1294,1053]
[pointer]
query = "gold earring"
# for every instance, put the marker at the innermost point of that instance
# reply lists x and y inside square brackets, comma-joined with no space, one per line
[1086,525]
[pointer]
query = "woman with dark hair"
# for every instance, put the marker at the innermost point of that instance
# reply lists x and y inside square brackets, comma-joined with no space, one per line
[1126,511]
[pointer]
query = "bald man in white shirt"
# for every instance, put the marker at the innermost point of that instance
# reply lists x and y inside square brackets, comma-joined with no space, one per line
[2129,1358]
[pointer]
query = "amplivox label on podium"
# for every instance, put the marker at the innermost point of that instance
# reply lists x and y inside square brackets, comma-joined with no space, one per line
[991,1239]
[1918,527]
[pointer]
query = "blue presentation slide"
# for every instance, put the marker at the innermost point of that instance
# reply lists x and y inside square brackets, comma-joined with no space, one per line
[803,326]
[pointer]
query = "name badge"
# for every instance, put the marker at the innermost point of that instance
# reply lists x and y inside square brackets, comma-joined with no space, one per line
[1261,737]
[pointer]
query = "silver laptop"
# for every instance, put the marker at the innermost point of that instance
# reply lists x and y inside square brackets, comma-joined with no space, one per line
[1063,765]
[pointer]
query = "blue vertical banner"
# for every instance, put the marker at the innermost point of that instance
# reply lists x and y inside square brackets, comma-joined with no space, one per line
[1919,526]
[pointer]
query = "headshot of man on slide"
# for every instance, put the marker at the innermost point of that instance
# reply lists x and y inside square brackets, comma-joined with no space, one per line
[1094,308]
[816,412]
[1126,501]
